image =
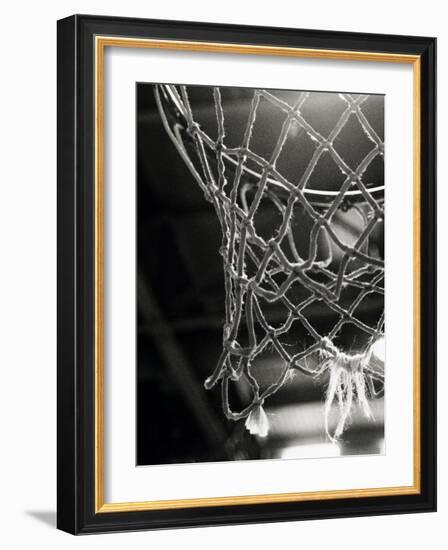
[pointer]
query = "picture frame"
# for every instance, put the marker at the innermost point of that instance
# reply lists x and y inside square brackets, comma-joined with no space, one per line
[83,240]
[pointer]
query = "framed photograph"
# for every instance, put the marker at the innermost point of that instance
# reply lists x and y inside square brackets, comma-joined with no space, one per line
[246,274]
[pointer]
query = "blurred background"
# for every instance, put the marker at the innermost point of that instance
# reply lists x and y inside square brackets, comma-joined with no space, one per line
[181,301]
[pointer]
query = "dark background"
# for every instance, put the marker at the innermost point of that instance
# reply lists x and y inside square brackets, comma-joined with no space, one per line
[180,318]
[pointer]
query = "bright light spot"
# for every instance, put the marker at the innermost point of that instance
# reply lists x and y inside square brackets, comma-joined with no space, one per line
[311,451]
[379,349]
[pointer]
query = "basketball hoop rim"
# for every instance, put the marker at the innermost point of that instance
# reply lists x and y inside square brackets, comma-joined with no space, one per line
[317,197]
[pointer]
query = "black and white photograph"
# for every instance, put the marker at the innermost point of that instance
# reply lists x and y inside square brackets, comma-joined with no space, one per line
[260,273]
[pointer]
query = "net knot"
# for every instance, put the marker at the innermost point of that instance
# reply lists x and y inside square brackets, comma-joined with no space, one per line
[243,282]
[326,144]
[193,128]
[327,348]
[321,221]
[272,245]
[354,177]
[246,222]
[379,215]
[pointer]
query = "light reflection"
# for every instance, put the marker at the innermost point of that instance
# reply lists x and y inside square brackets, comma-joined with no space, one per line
[314,450]
[379,349]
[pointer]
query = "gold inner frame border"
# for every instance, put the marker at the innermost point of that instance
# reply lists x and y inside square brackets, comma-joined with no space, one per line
[100,44]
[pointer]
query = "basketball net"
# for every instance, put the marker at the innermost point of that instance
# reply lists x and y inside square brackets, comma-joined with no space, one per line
[261,270]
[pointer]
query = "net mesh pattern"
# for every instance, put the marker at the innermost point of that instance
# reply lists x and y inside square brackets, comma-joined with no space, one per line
[262,270]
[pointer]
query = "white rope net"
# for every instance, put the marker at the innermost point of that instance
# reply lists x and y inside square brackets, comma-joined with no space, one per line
[304,267]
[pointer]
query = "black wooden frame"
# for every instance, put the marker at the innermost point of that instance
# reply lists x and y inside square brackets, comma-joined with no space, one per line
[76,473]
